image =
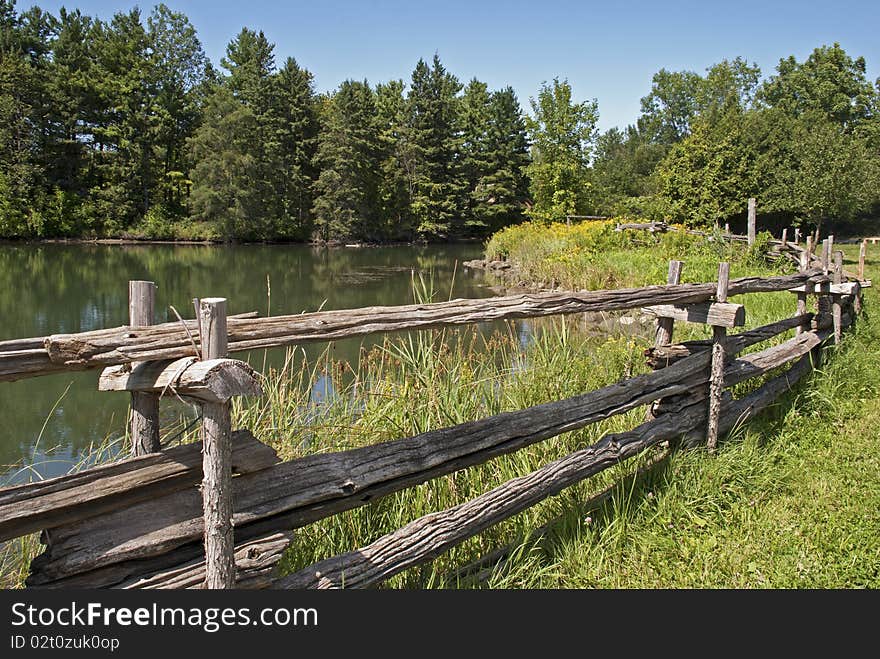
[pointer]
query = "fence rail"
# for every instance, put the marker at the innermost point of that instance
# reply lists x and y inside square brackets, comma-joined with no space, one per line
[142,522]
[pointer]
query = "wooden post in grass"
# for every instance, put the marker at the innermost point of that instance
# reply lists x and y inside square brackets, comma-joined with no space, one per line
[809,245]
[863,252]
[144,418]
[716,374]
[784,238]
[826,256]
[836,307]
[797,236]
[727,229]
[663,334]
[665,325]
[217,460]
[752,221]
[802,296]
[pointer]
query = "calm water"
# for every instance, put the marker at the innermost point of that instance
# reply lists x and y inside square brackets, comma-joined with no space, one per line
[46,289]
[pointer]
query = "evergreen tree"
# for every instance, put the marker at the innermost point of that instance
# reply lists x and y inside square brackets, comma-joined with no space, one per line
[181,70]
[347,202]
[293,126]
[494,155]
[432,145]
[396,167]
[225,167]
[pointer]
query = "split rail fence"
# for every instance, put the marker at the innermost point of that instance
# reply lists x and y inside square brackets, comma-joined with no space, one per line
[220,512]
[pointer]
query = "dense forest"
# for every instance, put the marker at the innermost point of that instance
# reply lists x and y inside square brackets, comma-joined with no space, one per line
[124,128]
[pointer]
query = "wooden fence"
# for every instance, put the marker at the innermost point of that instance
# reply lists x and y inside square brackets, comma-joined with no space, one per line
[166,519]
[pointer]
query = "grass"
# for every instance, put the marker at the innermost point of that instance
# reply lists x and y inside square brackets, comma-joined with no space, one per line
[789,501]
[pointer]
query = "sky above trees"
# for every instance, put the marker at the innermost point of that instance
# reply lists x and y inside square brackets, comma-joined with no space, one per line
[608,51]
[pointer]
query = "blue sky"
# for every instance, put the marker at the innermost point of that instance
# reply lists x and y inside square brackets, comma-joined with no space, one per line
[607,50]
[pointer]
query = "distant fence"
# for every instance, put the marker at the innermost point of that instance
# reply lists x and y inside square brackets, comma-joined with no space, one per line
[144,522]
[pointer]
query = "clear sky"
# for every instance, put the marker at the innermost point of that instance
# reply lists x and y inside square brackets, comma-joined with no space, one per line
[607,50]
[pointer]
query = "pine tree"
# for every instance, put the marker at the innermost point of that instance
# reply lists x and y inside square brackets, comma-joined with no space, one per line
[395,189]
[494,155]
[348,156]
[225,168]
[432,151]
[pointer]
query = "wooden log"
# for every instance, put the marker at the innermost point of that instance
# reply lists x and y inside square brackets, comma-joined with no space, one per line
[752,216]
[256,564]
[863,252]
[67,500]
[427,537]
[123,345]
[663,356]
[665,325]
[217,481]
[214,380]
[302,491]
[719,314]
[716,371]
[784,238]
[802,296]
[825,288]
[797,236]
[144,416]
[836,307]
[826,256]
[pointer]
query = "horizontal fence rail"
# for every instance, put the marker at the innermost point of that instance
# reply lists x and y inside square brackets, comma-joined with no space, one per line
[122,345]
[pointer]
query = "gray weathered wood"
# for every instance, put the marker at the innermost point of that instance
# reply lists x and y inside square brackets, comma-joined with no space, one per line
[784,238]
[716,371]
[256,563]
[752,221]
[70,499]
[144,417]
[216,433]
[665,325]
[214,380]
[863,252]
[662,356]
[802,296]
[836,307]
[826,256]
[88,350]
[719,314]
[425,538]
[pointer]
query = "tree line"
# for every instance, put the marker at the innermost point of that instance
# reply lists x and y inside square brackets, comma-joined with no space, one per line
[125,128]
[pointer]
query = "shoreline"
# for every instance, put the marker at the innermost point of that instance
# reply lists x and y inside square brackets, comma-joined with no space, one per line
[214,242]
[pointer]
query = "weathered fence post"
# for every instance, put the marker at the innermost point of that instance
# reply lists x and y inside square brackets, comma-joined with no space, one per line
[784,238]
[802,297]
[726,228]
[144,418]
[217,459]
[716,374]
[826,256]
[836,308]
[797,236]
[663,334]
[863,252]
[752,220]
[665,325]
[809,245]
